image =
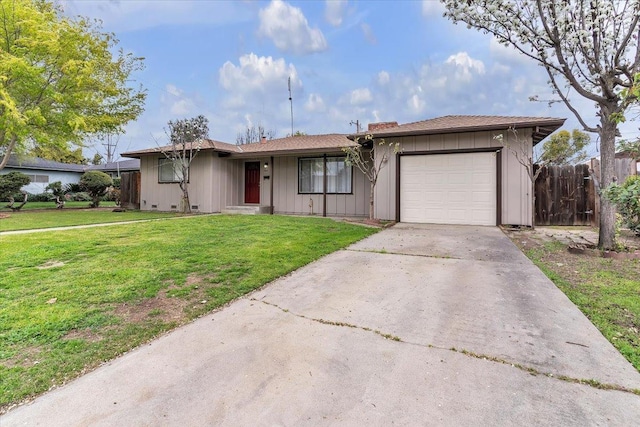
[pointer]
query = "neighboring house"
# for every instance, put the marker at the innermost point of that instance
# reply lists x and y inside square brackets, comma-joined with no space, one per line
[451,170]
[114,169]
[43,172]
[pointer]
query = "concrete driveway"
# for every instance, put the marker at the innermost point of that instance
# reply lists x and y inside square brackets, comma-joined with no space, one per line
[416,325]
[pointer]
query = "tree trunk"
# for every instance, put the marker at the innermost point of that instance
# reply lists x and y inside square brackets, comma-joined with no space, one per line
[606,237]
[8,151]
[373,186]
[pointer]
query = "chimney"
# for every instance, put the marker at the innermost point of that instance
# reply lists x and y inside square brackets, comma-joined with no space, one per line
[263,140]
[381,125]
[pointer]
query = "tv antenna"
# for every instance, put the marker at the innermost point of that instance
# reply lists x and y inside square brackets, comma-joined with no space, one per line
[291,102]
[357,123]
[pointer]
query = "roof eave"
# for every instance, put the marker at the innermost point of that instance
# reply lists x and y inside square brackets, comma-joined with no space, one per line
[541,130]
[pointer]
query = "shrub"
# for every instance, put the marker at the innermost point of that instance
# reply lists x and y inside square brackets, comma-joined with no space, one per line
[72,188]
[116,183]
[42,197]
[80,196]
[11,183]
[626,197]
[95,183]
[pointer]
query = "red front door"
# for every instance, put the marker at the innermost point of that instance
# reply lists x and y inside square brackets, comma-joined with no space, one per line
[252,182]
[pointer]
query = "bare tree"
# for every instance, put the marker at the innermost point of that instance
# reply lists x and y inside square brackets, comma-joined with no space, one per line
[370,157]
[253,134]
[186,136]
[589,48]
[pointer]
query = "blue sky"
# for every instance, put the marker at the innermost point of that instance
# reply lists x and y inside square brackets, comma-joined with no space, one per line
[348,60]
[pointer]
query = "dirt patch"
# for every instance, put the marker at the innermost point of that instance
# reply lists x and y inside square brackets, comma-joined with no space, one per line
[50,264]
[162,307]
[82,334]
[166,307]
[28,357]
[571,253]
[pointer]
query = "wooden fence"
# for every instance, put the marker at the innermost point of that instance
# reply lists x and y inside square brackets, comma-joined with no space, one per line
[566,195]
[130,190]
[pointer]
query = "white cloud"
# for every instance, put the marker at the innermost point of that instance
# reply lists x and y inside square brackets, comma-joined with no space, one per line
[368,33]
[432,8]
[360,96]
[257,74]
[416,104]
[123,16]
[177,102]
[334,11]
[506,54]
[383,78]
[314,103]
[289,30]
[465,66]
[173,90]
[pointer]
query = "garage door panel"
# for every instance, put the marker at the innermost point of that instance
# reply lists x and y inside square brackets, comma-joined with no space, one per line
[448,188]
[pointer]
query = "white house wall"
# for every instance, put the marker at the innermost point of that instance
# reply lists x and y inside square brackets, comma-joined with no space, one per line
[516,186]
[39,187]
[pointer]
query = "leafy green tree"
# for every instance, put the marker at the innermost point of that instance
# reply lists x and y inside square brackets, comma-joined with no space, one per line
[186,138]
[587,48]
[58,192]
[61,79]
[97,159]
[96,184]
[630,147]
[10,185]
[564,148]
[59,154]
[626,197]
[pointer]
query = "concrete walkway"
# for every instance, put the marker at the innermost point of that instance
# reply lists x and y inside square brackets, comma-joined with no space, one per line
[416,325]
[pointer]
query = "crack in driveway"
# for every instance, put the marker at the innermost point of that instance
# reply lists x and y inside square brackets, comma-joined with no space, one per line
[533,371]
[385,252]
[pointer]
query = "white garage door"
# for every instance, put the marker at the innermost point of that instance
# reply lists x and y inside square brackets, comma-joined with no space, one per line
[448,188]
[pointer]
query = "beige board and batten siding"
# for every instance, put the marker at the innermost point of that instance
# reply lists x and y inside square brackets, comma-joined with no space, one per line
[287,200]
[516,186]
[204,185]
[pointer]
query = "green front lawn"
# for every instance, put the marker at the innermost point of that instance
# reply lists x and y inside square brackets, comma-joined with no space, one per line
[52,205]
[72,299]
[607,291]
[48,218]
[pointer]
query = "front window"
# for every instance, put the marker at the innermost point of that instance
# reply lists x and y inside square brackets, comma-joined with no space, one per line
[169,171]
[39,178]
[311,175]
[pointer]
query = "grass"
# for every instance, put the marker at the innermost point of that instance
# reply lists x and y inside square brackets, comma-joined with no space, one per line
[52,205]
[72,299]
[607,291]
[47,218]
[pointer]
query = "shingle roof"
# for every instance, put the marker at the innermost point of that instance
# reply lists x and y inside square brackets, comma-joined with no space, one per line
[332,141]
[120,165]
[543,126]
[17,162]
[300,143]
[207,144]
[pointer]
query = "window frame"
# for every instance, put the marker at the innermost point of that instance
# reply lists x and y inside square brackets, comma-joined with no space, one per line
[162,161]
[322,160]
